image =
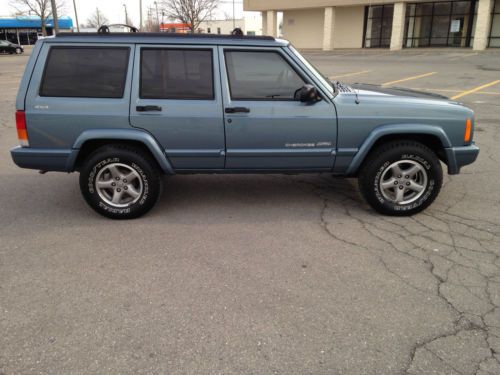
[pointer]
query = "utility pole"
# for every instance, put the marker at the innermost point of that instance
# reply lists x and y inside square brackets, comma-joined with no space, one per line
[55,21]
[76,16]
[126,15]
[234,17]
[140,15]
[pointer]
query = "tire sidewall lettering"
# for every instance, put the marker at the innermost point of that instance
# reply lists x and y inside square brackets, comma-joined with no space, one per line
[114,210]
[418,159]
[145,184]
[376,180]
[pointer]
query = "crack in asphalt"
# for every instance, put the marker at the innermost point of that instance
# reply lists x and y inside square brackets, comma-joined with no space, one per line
[462,255]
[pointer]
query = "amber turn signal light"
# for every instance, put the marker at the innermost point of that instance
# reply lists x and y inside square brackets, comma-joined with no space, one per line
[468,130]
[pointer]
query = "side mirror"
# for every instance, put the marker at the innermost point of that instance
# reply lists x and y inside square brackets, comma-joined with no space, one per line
[307,94]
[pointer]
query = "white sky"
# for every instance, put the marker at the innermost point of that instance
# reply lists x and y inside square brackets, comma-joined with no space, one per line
[114,10]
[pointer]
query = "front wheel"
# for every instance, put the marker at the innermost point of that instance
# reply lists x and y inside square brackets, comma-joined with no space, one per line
[402,178]
[18,51]
[120,182]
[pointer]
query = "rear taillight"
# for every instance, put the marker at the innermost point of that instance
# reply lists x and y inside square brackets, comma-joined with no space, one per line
[22,132]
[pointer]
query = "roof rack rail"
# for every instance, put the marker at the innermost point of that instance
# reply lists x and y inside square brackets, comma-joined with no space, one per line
[165,35]
[105,29]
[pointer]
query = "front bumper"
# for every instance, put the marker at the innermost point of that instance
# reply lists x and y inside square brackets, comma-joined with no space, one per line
[43,159]
[457,157]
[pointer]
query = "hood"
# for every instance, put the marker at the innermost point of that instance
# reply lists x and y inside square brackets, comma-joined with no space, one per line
[363,89]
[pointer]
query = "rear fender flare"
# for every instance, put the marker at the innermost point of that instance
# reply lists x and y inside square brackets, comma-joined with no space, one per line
[121,135]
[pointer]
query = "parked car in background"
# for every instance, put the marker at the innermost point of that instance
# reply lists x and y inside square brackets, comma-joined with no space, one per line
[9,47]
[124,109]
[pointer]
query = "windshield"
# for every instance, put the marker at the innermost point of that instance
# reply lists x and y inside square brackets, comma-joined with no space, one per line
[326,82]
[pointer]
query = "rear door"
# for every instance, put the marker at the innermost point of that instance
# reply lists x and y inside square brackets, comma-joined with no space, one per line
[176,97]
[265,127]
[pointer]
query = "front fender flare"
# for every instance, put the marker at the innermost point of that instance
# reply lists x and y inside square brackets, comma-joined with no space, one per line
[121,135]
[397,129]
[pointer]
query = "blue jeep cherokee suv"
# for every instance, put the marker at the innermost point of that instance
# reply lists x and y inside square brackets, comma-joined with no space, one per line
[124,109]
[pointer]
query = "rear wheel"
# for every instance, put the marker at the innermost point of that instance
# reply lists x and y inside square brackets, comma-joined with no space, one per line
[120,182]
[19,51]
[401,178]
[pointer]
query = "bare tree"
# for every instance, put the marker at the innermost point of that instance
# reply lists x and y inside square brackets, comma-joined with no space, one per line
[191,12]
[41,8]
[97,19]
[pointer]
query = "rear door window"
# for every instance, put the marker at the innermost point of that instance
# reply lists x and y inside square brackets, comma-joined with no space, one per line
[168,73]
[85,72]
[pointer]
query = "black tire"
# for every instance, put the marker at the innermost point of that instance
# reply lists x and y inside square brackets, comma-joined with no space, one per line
[376,170]
[19,51]
[147,180]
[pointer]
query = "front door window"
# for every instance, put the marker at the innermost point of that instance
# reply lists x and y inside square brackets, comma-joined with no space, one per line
[261,76]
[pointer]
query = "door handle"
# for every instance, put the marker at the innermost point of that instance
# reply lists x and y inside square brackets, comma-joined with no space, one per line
[148,108]
[237,110]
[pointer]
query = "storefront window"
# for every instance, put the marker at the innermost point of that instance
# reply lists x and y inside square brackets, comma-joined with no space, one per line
[495,26]
[378,26]
[22,36]
[440,24]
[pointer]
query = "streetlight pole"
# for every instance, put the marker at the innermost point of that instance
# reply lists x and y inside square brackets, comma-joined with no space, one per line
[126,15]
[54,16]
[140,15]
[150,22]
[76,16]
[234,17]
[157,16]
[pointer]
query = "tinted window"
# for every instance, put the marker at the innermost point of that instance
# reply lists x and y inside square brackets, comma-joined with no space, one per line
[261,76]
[88,72]
[176,74]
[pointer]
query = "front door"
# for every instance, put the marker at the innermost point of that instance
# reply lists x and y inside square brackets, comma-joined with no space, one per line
[265,127]
[176,97]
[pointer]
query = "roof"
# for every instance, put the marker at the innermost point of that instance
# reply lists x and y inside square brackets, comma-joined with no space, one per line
[33,22]
[165,38]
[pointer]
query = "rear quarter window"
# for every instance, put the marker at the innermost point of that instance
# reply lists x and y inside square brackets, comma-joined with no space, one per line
[85,72]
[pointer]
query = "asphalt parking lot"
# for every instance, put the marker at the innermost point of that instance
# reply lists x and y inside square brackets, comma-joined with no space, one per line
[259,274]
